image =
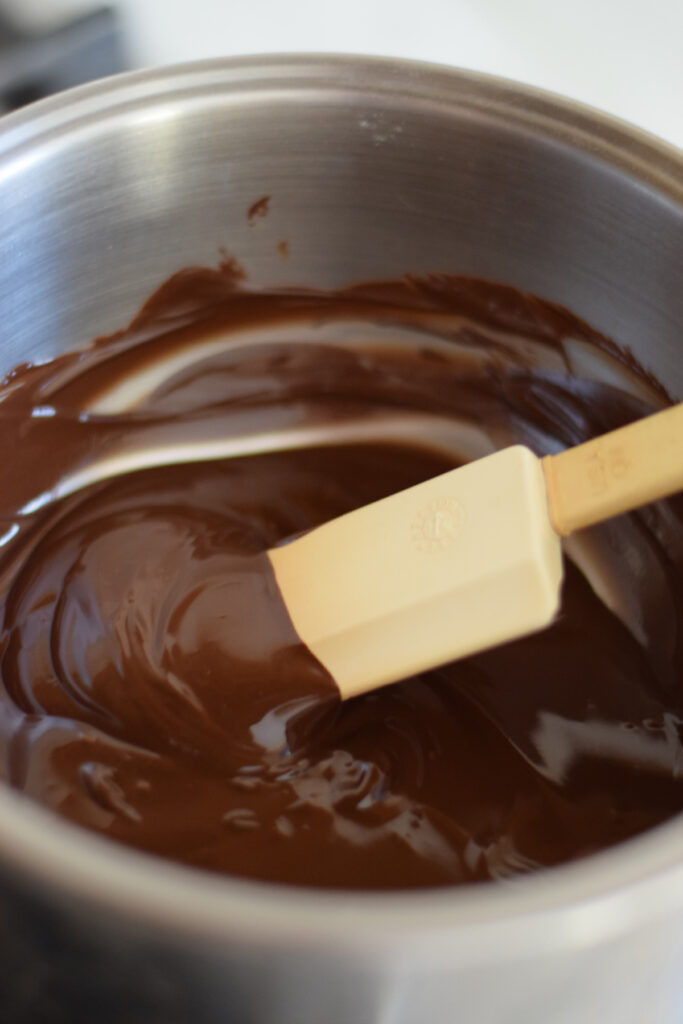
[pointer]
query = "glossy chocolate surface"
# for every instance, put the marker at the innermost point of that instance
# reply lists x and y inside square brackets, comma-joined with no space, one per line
[152,687]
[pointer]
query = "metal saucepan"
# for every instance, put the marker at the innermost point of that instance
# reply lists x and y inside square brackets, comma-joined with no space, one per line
[374,168]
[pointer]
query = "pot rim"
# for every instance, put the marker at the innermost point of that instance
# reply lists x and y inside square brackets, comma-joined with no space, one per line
[579,904]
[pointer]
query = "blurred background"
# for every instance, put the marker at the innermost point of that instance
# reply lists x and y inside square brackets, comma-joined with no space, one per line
[624,56]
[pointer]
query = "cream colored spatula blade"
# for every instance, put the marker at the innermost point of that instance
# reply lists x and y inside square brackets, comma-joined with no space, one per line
[459,563]
[467,560]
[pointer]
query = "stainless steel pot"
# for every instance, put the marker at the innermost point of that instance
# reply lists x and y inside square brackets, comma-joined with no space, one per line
[373,168]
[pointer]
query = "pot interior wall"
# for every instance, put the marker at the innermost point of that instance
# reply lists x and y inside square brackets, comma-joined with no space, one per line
[371,169]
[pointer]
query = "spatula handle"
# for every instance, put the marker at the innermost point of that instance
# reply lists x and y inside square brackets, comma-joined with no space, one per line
[617,472]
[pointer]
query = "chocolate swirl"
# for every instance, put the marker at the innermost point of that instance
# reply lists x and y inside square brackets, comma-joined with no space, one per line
[152,686]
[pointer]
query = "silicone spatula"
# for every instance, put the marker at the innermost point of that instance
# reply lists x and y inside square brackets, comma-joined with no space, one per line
[467,560]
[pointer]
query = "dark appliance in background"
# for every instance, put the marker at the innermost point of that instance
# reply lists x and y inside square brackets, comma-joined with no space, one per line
[34,64]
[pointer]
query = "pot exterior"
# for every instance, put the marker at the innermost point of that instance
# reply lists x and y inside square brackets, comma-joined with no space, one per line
[372,169]
[63,962]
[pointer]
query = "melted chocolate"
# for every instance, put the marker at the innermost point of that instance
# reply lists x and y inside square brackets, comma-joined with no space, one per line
[152,686]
